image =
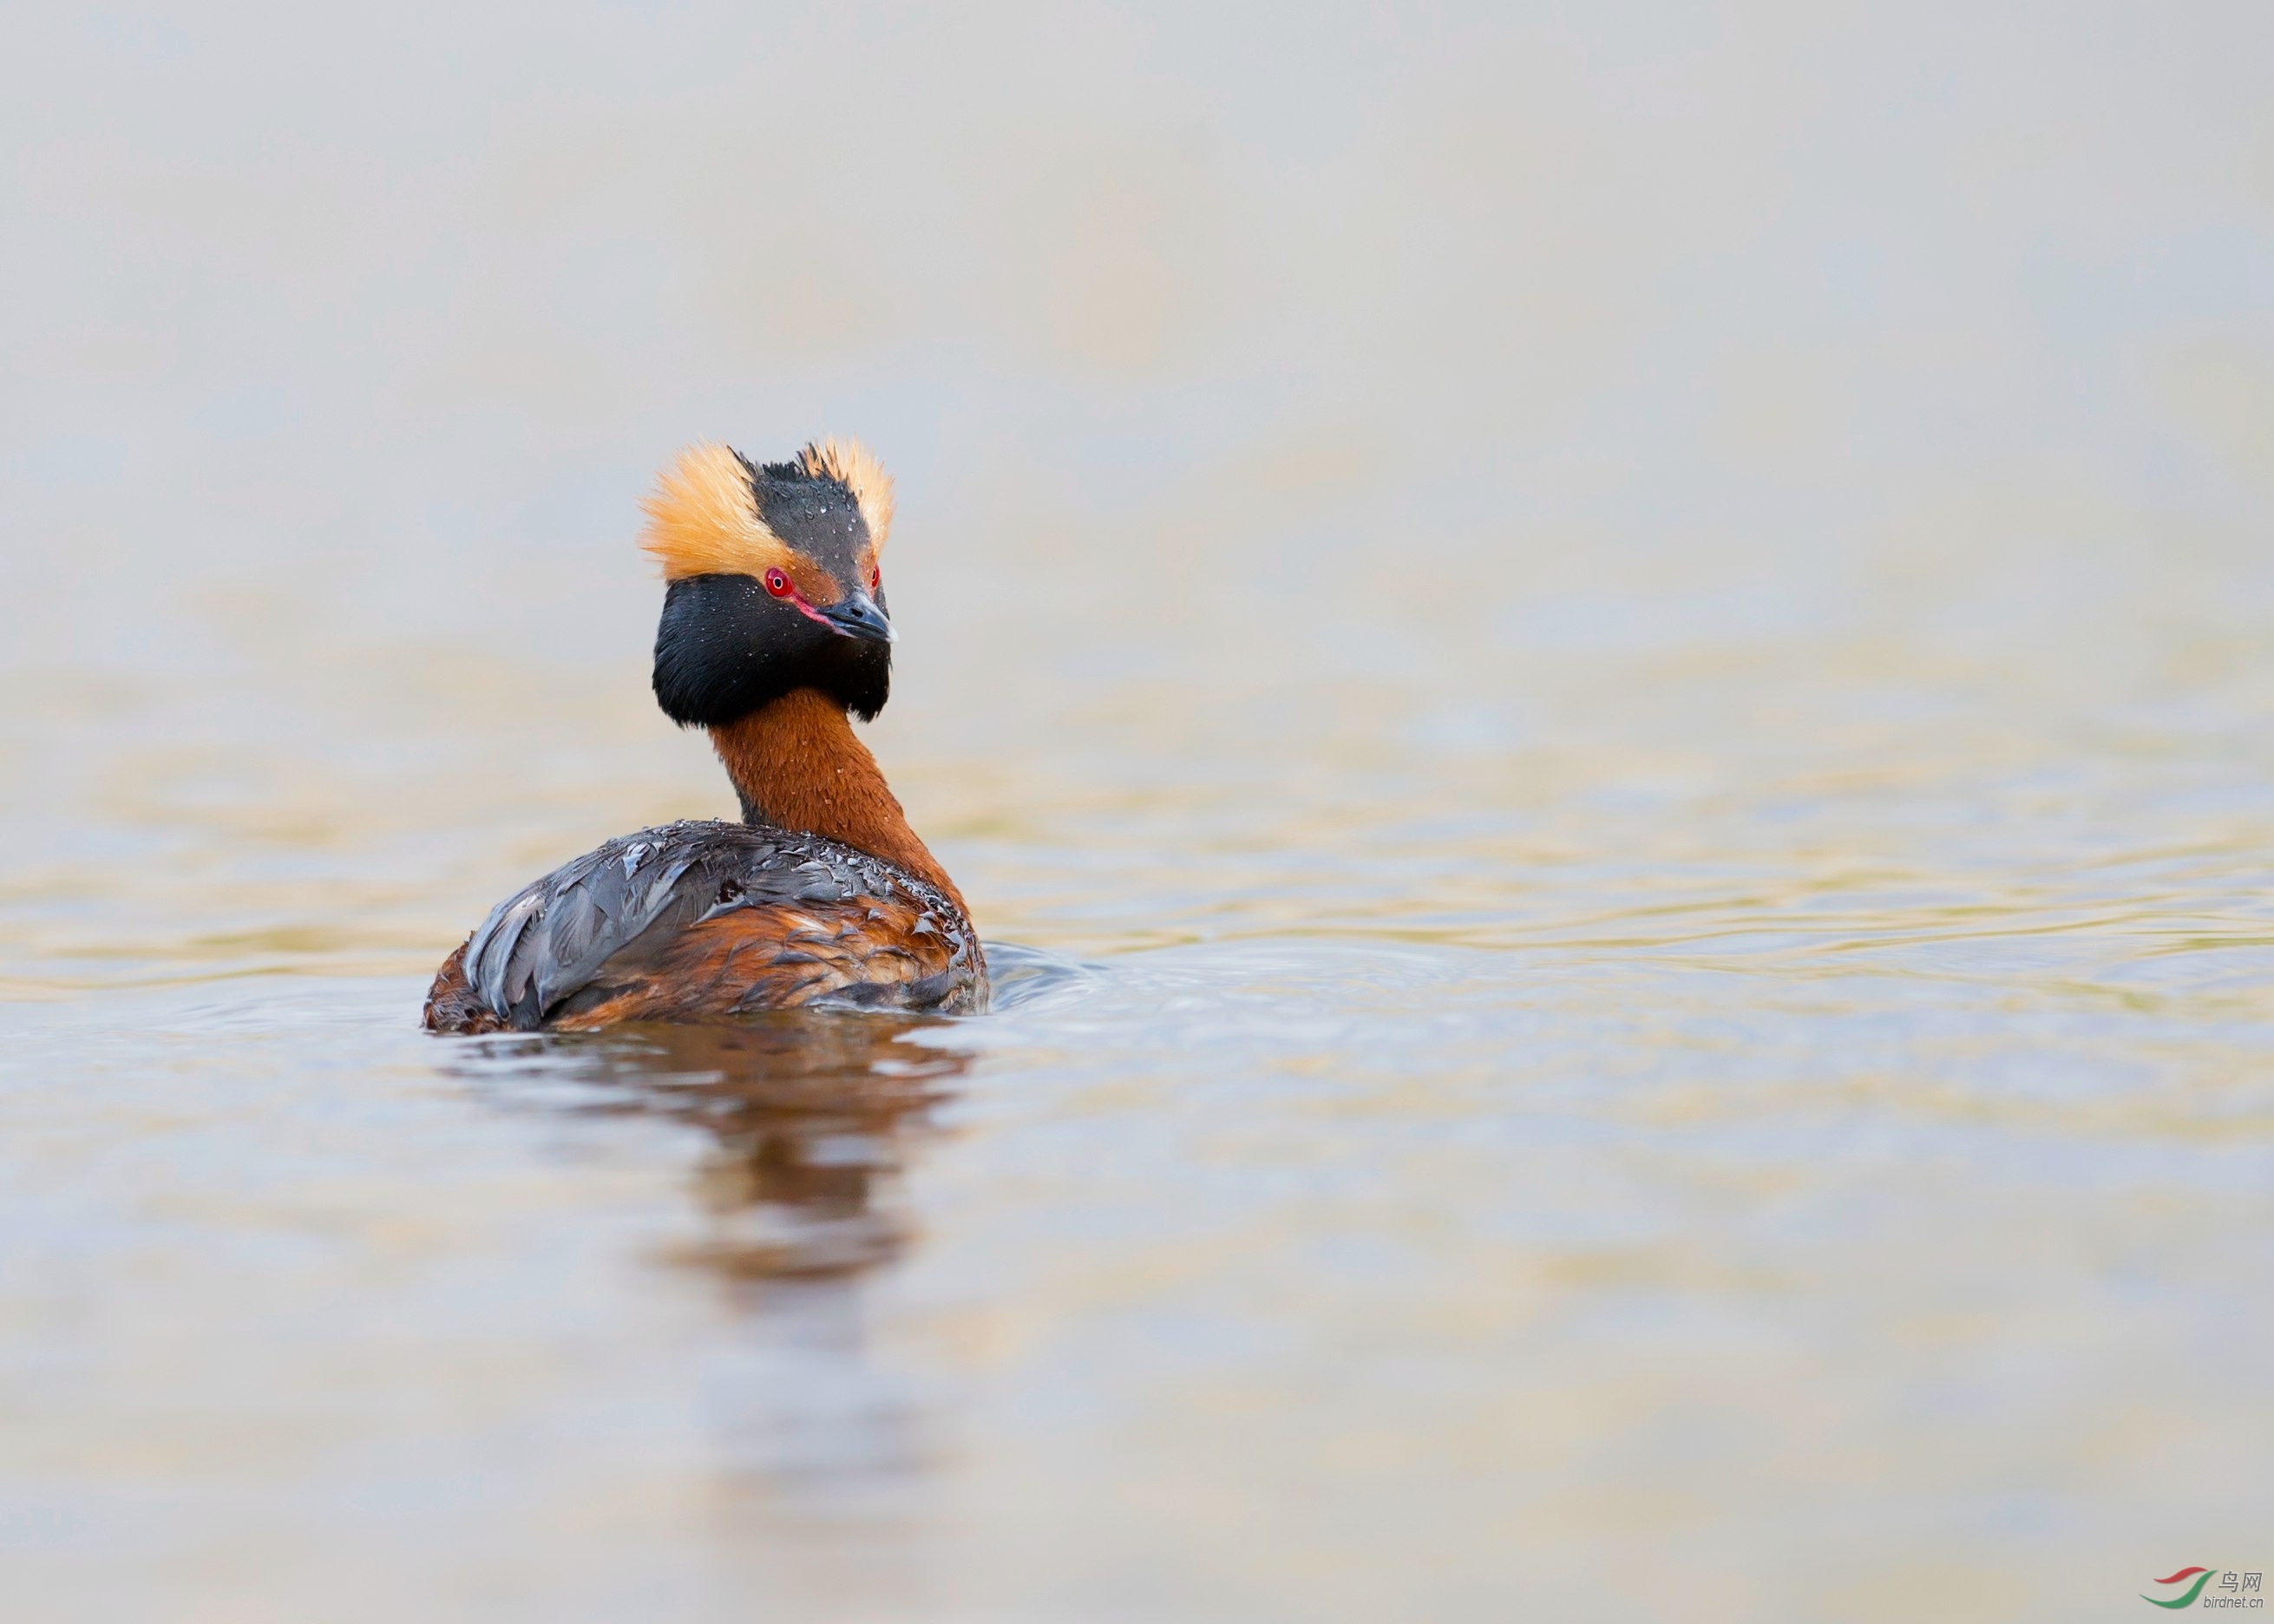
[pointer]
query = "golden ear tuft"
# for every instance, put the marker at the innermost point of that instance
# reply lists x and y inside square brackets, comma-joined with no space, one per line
[854,466]
[703,520]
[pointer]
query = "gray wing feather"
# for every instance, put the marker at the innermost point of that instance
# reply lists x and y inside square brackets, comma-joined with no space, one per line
[554,937]
[604,910]
[490,953]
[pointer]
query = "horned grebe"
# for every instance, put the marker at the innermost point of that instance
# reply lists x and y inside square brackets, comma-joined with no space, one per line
[773,628]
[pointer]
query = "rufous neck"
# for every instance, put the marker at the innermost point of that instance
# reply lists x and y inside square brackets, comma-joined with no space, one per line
[796,764]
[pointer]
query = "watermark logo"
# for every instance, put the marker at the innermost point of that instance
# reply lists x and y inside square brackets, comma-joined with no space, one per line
[2235,1589]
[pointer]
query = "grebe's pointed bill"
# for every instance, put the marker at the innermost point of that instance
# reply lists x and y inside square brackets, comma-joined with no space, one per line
[857,615]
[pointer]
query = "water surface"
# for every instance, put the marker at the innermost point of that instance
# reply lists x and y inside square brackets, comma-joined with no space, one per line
[1606,682]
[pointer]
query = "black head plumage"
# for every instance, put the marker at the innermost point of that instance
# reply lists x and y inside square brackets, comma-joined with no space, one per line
[725,647]
[726,644]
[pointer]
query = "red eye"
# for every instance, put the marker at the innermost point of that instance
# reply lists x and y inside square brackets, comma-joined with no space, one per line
[876,578]
[778,583]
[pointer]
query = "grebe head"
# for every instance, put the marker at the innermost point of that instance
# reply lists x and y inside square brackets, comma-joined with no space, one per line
[775,580]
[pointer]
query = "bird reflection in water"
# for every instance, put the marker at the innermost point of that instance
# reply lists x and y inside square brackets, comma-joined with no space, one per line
[812,1116]
[809,1119]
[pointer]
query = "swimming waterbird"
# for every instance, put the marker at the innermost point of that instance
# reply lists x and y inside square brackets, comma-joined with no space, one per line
[774,628]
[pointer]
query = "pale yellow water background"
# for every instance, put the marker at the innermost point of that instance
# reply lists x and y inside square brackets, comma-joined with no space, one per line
[1620,659]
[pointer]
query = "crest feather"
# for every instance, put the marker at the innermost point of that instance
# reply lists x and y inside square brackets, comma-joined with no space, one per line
[703,518]
[855,467]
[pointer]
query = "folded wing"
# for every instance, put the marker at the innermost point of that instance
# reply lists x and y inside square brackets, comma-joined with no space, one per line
[701,919]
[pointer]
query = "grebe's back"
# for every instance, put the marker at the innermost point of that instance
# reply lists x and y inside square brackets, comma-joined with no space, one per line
[695,920]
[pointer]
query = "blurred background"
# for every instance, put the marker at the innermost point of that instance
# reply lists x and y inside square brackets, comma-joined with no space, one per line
[1616,657]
